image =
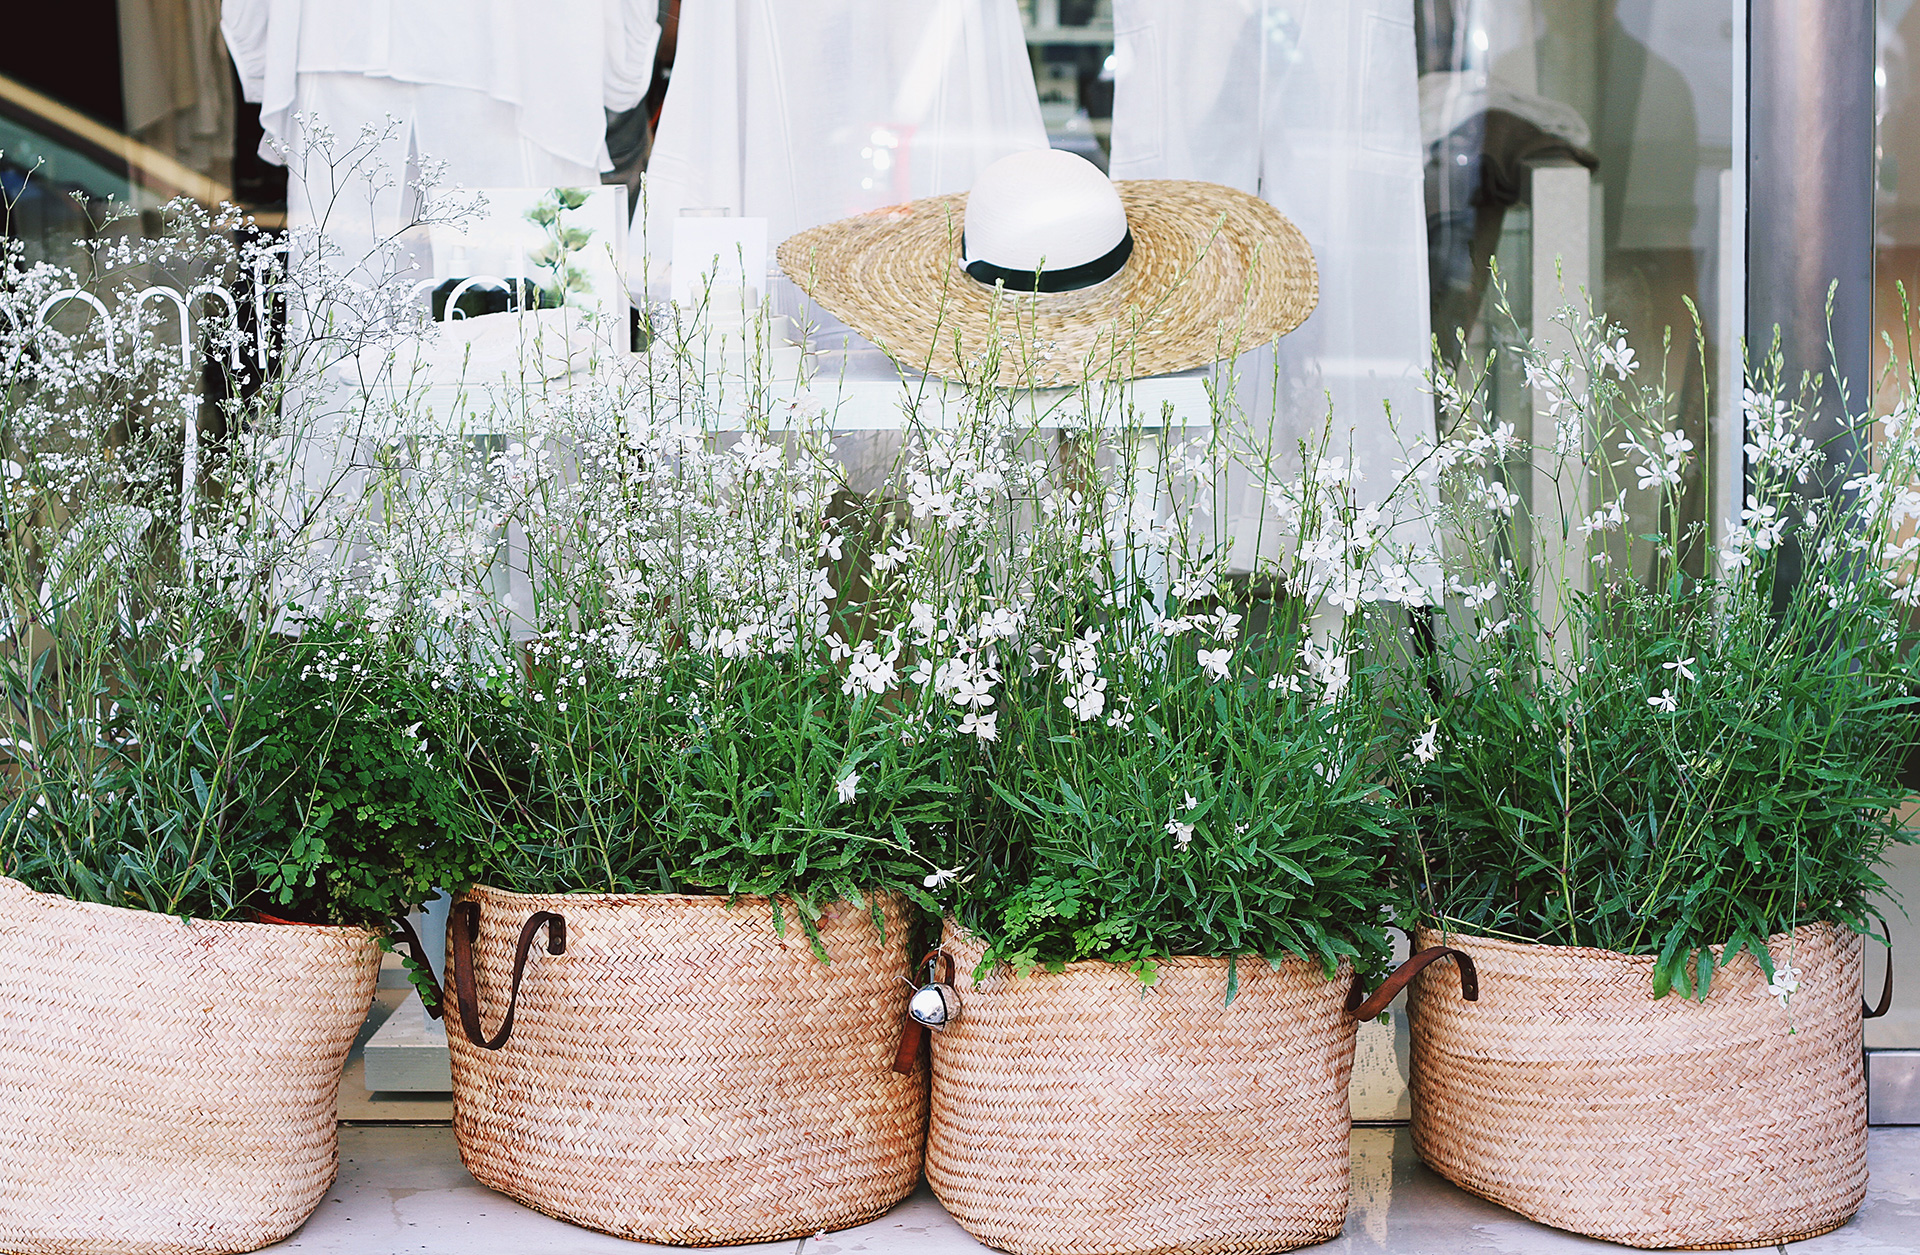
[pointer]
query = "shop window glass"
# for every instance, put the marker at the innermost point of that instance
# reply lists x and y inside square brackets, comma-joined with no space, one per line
[1896,293]
[1529,107]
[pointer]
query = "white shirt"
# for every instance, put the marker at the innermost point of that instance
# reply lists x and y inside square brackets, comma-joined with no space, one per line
[558,63]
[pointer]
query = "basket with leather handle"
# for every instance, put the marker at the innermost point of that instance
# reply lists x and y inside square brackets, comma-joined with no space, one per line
[1571,1095]
[671,1068]
[1080,1113]
[168,1086]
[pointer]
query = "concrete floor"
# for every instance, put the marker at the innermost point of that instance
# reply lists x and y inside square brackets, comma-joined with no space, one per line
[403,1190]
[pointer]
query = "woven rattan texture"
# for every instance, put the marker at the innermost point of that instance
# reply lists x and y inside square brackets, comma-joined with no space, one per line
[1568,1094]
[1075,1113]
[1214,272]
[166,1086]
[684,1074]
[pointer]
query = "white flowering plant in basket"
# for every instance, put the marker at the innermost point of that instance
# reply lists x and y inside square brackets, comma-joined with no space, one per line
[146,652]
[1170,748]
[1644,742]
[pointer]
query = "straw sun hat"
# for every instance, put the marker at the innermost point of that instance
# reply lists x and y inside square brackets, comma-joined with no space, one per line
[1047,273]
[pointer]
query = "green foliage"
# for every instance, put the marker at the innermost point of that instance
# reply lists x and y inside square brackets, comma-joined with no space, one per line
[246,773]
[704,776]
[1703,755]
[1225,818]
[1582,814]
[128,777]
[357,816]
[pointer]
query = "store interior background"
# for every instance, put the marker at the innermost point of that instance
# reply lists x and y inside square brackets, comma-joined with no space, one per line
[137,100]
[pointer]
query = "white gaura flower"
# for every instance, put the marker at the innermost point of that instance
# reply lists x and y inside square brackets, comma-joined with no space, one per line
[1684,666]
[1088,699]
[940,878]
[868,672]
[1192,801]
[1666,703]
[922,622]
[973,723]
[1785,983]
[1426,748]
[1618,357]
[1214,662]
[999,624]
[1181,833]
[848,787]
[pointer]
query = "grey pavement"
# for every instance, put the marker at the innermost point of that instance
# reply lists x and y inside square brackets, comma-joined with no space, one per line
[402,1189]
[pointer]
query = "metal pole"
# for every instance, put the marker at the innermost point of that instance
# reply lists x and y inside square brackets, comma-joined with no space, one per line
[1810,202]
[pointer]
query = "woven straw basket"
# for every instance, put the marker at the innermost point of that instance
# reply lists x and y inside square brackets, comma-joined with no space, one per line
[1075,1112]
[682,1073]
[1571,1096]
[167,1086]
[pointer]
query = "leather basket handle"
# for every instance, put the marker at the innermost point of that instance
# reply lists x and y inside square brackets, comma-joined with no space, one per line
[1886,988]
[403,934]
[1361,1007]
[463,929]
[915,1036]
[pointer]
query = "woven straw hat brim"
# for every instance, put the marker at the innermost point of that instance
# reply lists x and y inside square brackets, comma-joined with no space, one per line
[1214,272]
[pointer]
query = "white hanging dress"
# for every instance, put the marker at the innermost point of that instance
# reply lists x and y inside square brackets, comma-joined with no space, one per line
[506,93]
[1314,106]
[806,113]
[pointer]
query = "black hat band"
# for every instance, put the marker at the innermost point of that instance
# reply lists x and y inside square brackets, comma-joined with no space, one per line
[1069,279]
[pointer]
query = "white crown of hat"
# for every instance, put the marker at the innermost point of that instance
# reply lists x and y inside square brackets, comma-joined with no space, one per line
[1044,210]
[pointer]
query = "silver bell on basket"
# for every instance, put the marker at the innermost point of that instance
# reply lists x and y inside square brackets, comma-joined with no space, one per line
[935,1004]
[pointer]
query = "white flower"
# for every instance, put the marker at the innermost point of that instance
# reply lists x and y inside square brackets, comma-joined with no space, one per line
[1497,497]
[729,643]
[1684,667]
[848,787]
[941,878]
[1762,524]
[1785,983]
[998,625]
[1181,833]
[1426,748]
[1192,801]
[1214,662]
[1088,698]
[1666,703]
[868,672]
[983,726]
[1618,356]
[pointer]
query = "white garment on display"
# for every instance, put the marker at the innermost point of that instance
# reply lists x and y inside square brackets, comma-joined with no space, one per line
[506,92]
[805,113]
[1314,106]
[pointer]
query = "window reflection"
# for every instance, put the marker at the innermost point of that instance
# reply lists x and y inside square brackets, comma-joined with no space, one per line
[1640,95]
